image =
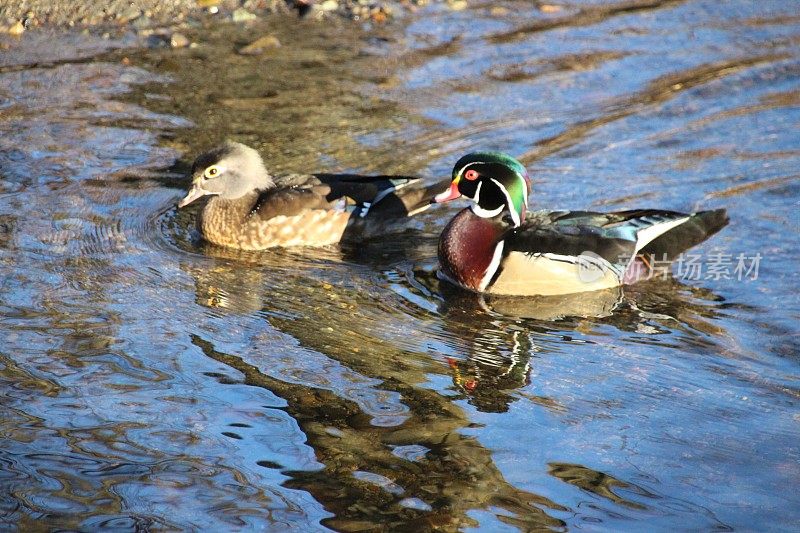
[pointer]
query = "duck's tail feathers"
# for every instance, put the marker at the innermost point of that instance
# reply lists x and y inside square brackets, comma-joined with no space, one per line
[699,227]
[415,196]
[429,191]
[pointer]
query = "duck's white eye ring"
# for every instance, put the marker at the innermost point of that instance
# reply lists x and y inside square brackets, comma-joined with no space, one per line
[212,172]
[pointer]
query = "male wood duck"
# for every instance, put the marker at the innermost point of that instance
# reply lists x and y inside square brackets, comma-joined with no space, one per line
[250,209]
[495,246]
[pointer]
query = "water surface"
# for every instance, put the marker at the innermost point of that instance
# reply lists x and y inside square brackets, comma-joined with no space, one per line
[151,381]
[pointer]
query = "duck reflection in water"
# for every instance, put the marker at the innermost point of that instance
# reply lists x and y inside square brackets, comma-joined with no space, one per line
[501,337]
[498,337]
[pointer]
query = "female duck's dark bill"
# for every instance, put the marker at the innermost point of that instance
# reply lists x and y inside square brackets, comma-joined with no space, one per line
[450,194]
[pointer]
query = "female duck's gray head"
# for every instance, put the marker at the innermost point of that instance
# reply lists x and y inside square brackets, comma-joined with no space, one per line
[229,171]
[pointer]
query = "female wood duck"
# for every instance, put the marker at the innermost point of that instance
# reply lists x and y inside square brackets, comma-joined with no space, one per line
[494,246]
[252,210]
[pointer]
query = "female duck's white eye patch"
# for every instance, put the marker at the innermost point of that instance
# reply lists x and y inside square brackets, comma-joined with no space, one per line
[212,172]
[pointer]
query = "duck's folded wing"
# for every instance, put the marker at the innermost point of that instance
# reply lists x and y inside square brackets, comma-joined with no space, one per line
[293,201]
[383,196]
[655,231]
[565,241]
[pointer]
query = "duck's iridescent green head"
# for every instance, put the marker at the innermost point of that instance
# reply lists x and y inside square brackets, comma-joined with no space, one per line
[494,181]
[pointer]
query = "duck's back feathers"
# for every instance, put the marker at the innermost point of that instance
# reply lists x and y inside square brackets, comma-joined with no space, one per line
[615,236]
[569,234]
[292,201]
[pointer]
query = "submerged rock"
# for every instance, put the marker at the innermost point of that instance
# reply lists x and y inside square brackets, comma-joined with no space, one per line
[129,14]
[261,45]
[329,5]
[178,40]
[242,15]
[142,22]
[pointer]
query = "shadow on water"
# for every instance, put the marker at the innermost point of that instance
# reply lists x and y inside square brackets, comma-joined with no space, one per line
[437,488]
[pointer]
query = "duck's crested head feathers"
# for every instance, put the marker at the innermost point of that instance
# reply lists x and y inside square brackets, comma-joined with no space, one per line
[494,181]
[230,171]
[489,158]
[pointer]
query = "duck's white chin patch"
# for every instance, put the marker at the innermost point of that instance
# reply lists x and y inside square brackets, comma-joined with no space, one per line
[491,213]
[486,213]
[478,210]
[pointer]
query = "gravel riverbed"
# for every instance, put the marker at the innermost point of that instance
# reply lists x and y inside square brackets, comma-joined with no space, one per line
[17,16]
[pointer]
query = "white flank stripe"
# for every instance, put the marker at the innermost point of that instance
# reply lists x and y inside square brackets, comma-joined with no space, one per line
[493,266]
[401,185]
[585,261]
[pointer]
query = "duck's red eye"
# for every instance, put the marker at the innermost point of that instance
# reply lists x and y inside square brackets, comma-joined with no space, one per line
[471,174]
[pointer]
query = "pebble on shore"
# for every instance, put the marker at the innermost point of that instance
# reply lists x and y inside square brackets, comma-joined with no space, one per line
[18,15]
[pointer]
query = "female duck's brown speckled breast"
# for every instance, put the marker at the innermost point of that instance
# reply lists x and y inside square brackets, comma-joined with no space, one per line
[232,223]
